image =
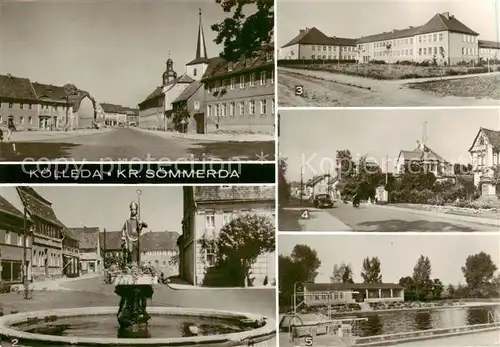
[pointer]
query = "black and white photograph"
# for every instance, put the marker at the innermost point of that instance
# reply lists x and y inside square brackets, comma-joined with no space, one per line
[381,290]
[389,170]
[137,80]
[373,53]
[137,265]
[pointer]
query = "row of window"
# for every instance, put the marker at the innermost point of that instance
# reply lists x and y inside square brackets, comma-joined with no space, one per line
[489,50]
[333,48]
[30,106]
[331,296]
[152,253]
[13,238]
[223,109]
[330,57]
[469,51]
[42,258]
[243,79]
[469,38]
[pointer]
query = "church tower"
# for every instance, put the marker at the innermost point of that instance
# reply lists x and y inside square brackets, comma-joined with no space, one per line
[169,75]
[196,67]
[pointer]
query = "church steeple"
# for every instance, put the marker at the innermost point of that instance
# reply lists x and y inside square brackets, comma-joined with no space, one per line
[201,47]
[197,66]
[169,75]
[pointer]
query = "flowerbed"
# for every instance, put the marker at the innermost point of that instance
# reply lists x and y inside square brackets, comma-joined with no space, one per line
[414,305]
[465,209]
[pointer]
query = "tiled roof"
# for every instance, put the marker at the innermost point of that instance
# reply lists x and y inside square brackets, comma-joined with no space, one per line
[213,64]
[311,36]
[88,237]
[188,92]
[419,154]
[159,90]
[343,41]
[16,88]
[488,44]
[7,207]
[440,22]
[150,241]
[210,194]
[350,286]
[198,61]
[48,91]
[220,67]
[493,137]
[67,232]
[37,205]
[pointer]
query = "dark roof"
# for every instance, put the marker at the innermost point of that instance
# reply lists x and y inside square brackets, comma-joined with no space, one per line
[48,91]
[70,234]
[88,236]
[188,92]
[350,286]
[311,36]
[220,68]
[492,135]
[316,179]
[231,193]
[150,241]
[440,22]
[37,205]
[7,207]
[198,61]
[16,88]
[488,44]
[112,108]
[159,90]
[200,47]
[343,41]
[419,154]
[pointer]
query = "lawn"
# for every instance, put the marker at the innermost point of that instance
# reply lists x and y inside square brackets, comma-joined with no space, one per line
[394,71]
[478,87]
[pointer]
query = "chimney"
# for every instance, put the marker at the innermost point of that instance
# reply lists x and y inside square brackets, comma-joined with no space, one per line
[301,31]
[446,15]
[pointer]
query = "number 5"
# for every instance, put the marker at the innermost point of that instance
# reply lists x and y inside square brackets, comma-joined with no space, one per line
[305,214]
[299,90]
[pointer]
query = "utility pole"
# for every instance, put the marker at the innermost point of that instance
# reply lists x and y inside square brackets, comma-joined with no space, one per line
[104,250]
[25,267]
[301,184]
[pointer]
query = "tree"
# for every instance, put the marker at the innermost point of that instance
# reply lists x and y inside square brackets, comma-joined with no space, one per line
[422,277]
[437,289]
[283,184]
[478,271]
[341,274]
[239,244]
[241,34]
[180,117]
[371,272]
[69,90]
[300,266]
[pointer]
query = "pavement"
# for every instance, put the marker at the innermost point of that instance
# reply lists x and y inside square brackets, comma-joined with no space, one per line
[323,88]
[376,218]
[128,144]
[212,137]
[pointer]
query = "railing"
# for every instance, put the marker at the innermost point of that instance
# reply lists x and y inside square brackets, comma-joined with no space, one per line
[423,334]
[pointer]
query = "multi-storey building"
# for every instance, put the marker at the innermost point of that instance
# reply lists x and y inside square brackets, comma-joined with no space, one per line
[313,44]
[158,248]
[90,250]
[485,154]
[47,247]
[71,253]
[206,211]
[44,107]
[12,233]
[117,115]
[428,160]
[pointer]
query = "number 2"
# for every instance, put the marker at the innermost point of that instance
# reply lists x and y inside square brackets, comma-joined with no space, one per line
[15,342]
[305,214]
[299,90]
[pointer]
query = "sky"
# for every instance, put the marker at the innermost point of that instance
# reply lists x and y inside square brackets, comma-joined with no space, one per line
[115,49]
[108,207]
[357,18]
[398,254]
[376,134]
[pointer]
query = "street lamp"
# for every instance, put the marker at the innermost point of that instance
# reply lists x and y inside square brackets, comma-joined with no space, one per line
[295,295]
[138,192]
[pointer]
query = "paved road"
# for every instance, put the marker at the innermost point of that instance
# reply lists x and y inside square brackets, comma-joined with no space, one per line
[129,144]
[322,89]
[381,219]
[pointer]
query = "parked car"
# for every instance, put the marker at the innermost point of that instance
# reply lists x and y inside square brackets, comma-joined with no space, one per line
[323,201]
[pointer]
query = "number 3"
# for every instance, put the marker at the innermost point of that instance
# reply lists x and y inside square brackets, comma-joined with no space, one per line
[299,90]
[305,214]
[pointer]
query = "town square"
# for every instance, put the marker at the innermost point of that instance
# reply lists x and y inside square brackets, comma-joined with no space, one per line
[422,54]
[388,170]
[187,95]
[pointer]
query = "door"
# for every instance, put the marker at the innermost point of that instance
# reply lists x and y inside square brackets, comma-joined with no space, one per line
[200,123]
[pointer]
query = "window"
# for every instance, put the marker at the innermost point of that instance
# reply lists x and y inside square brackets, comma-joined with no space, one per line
[435,50]
[313,57]
[216,113]
[464,38]
[194,72]
[10,104]
[209,110]
[313,48]
[233,82]
[30,120]
[223,110]
[210,220]
[7,237]
[210,255]
[272,106]
[251,107]
[229,66]
[242,108]
[263,78]
[242,81]
[463,50]
[21,106]
[226,217]
[232,107]
[252,79]
[272,76]
[269,56]
[263,107]
[21,119]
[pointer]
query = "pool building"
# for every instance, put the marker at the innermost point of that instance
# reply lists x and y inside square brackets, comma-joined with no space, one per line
[318,294]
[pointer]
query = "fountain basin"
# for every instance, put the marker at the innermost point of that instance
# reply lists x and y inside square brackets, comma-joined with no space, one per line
[10,328]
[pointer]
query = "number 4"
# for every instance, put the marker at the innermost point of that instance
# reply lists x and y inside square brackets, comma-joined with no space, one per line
[305,215]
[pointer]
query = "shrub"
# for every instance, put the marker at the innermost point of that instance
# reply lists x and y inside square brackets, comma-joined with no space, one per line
[5,288]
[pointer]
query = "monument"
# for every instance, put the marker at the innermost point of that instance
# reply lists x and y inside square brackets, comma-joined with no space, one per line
[135,284]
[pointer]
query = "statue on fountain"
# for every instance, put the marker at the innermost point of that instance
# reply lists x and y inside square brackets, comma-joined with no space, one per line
[134,286]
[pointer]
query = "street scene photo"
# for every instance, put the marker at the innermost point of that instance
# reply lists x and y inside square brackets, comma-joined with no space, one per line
[126,81]
[381,290]
[388,53]
[166,265]
[389,170]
